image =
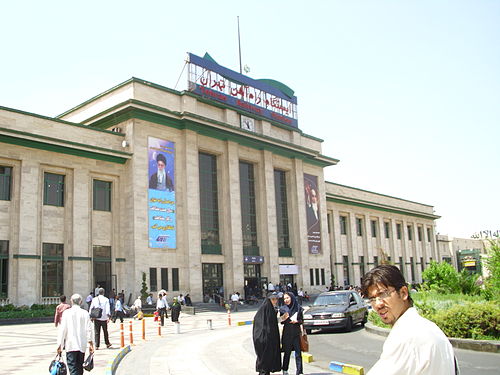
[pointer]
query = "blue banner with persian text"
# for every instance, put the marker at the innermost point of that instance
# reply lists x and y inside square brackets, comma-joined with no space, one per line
[161,194]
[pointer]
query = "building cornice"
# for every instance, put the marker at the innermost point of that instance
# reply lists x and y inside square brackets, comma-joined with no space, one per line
[135,109]
[379,207]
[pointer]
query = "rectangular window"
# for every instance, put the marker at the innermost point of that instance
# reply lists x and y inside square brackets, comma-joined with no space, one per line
[345,265]
[5,183]
[401,266]
[410,233]
[343,224]
[387,229]
[153,282]
[317,276]
[281,200]
[209,202]
[362,265]
[248,209]
[429,234]
[422,264]
[412,268]
[164,278]
[175,279]
[328,218]
[323,280]
[4,268]
[52,269]
[102,195]
[398,231]
[447,260]
[53,189]
[311,276]
[374,227]
[419,232]
[375,260]
[359,226]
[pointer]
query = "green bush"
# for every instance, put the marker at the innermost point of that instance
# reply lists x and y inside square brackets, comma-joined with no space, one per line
[374,318]
[492,263]
[472,320]
[441,277]
[9,307]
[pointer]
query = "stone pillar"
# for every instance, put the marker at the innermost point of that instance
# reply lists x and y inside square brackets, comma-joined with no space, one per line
[231,220]
[268,232]
[192,278]
[29,252]
[79,263]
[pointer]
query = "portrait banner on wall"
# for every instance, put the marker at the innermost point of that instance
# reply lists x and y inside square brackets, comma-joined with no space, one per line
[313,214]
[161,194]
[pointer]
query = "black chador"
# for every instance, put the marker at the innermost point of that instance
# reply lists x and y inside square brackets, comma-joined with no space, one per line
[266,339]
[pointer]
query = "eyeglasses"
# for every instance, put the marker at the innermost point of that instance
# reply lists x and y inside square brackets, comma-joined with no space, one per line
[383,295]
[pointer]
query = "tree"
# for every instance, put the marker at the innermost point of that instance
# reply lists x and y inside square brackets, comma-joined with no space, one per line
[144,289]
[492,264]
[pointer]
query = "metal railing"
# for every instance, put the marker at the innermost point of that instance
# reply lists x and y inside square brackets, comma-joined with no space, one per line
[50,300]
[4,301]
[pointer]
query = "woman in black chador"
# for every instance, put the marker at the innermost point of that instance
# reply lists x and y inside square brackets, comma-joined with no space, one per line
[266,337]
[292,317]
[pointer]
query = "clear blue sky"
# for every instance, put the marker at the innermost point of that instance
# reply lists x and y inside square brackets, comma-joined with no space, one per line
[405,93]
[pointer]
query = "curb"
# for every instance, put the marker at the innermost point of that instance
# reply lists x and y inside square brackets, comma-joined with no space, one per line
[345,368]
[113,363]
[490,346]
[41,319]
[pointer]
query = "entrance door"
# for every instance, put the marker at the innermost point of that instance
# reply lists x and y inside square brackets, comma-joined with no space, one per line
[252,286]
[212,282]
[102,268]
[286,279]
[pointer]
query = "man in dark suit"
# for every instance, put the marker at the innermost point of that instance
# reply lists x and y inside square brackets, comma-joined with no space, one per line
[160,180]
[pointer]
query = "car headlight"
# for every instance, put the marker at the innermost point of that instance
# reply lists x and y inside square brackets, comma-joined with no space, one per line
[308,316]
[338,315]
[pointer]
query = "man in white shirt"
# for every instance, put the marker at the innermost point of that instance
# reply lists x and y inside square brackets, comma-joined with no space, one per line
[415,345]
[149,300]
[102,322]
[75,332]
[235,299]
[270,287]
[162,306]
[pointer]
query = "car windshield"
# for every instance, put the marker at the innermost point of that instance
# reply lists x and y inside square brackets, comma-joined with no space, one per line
[331,299]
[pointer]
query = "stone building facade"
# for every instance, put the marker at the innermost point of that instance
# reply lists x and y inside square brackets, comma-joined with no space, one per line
[75,209]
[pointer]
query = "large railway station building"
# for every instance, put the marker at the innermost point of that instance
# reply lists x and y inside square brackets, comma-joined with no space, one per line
[209,190]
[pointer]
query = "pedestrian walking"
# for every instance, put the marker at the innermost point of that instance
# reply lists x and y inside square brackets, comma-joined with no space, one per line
[60,309]
[175,310]
[75,333]
[266,337]
[119,313]
[102,322]
[235,300]
[292,317]
[161,308]
[89,299]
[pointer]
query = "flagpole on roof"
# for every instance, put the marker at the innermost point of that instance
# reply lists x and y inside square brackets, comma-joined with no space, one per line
[239,43]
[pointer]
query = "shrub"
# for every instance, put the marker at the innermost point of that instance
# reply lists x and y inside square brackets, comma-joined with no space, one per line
[441,277]
[472,320]
[374,318]
[492,264]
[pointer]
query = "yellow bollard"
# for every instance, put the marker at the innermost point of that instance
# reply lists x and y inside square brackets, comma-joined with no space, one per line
[144,328]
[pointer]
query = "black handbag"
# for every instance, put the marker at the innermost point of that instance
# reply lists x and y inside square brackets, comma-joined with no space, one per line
[57,366]
[88,364]
[95,312]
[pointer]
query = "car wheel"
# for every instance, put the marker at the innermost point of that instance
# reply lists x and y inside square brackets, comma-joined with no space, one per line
[348,327]
[365,319]
[308,331]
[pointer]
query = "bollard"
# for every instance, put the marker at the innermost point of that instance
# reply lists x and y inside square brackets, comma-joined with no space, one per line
[131,334]
[209,323]
[122,337]
[177,327]
[144,328]
[159,327]
[228,317]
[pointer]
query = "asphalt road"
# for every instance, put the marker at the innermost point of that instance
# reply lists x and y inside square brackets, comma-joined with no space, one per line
[228,351]
[362,348]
